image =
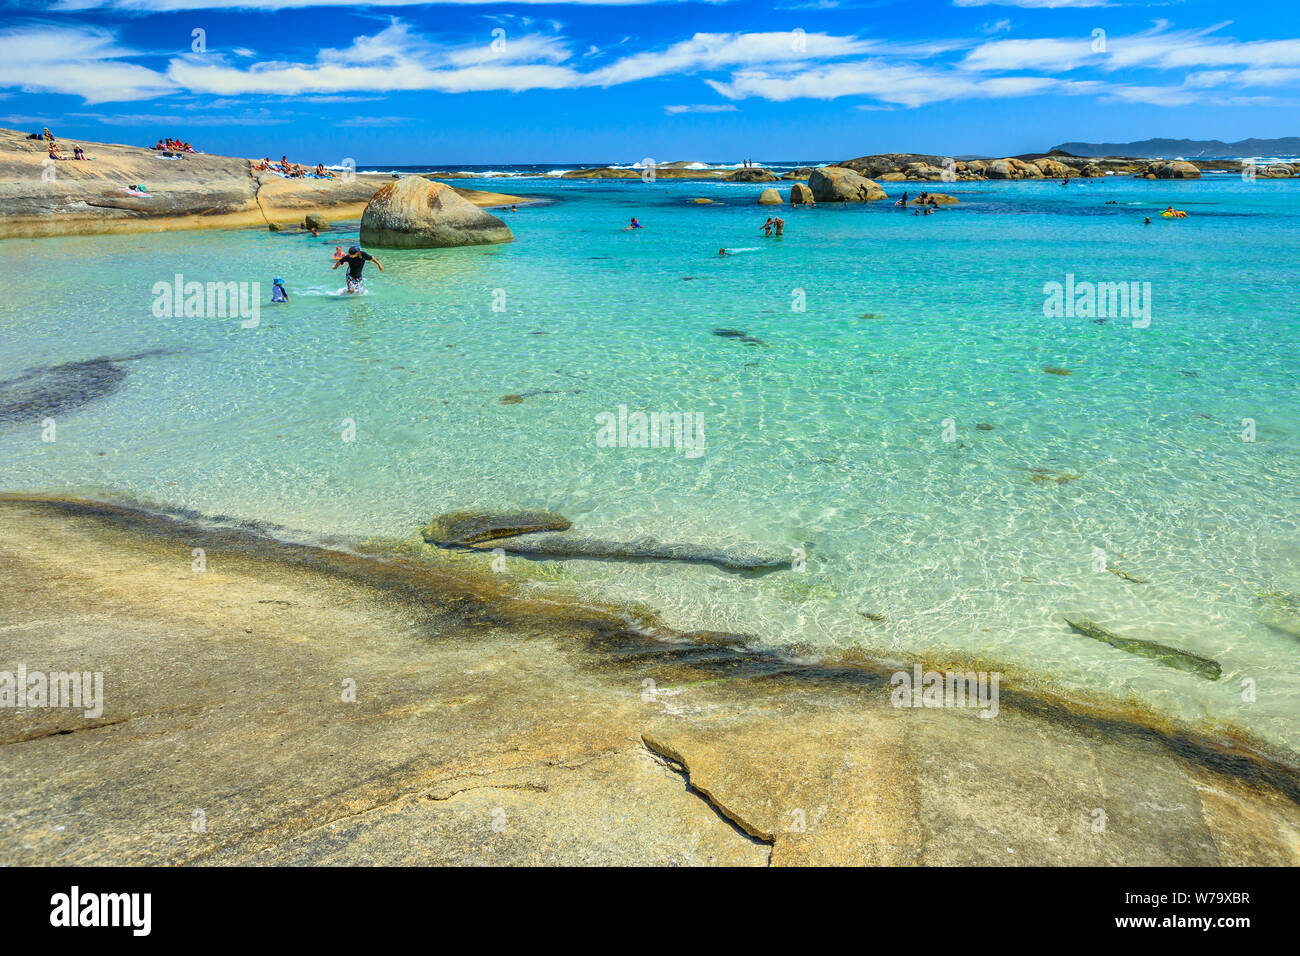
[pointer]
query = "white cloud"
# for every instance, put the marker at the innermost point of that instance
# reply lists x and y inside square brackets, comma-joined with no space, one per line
[711,51]
[393,59]
[701,108]
[83,61]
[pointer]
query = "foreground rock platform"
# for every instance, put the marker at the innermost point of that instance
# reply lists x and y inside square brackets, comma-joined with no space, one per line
[493,724]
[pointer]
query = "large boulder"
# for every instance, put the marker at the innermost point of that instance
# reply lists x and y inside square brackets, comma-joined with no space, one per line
[1053,168]
[1176,169]
[876,166]
[801,195]
[836,184]
[417,213]
[769,197]
[802,173]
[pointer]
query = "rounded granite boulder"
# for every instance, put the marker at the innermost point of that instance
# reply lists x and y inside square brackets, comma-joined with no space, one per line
[836,184]
[416,213]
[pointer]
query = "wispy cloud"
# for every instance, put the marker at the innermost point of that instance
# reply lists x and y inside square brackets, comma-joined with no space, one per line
[701,108]
[84,61]
[1158,65]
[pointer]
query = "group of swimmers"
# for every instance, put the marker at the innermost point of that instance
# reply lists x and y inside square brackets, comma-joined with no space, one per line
[774,223]
[926,203]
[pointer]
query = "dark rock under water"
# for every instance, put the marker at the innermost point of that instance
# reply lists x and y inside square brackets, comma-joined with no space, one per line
[739,336]
[543,535]
[52,390]
[1161,653]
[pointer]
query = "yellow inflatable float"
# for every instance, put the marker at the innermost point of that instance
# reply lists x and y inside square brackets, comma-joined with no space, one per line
[1174,214]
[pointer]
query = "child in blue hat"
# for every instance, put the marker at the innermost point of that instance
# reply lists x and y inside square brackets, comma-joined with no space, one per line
[278,293]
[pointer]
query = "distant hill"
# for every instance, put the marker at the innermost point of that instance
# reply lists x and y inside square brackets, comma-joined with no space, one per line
[1171,148]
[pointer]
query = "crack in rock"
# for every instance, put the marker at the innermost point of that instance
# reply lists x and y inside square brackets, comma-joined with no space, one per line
[674,761]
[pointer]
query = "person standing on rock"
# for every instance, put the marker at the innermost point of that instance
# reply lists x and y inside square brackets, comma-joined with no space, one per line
[356,260]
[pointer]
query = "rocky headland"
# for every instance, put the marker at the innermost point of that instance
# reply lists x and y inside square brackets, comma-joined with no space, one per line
[41,197]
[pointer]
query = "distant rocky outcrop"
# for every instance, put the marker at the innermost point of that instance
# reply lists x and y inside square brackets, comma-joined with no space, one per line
[802,173]
[837,184]
[417,213]
[751,174]
[919,167]
[1178,169]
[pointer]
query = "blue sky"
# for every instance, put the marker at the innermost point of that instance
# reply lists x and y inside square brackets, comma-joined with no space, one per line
[479,82]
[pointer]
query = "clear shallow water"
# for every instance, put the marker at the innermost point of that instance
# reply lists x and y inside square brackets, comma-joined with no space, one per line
[829,436]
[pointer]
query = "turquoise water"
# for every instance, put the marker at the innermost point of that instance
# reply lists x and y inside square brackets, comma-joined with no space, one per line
[830,435]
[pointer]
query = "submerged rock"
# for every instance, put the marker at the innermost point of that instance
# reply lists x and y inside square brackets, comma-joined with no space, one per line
[1042,476]
[1053,370]
[1126,576]
[1161,653]
[417,213]
[461,528]
[738,336]
[53,390]
[577,546]
[542,535]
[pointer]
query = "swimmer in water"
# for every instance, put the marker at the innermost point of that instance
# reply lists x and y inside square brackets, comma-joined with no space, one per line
[767,228]
[1146,221]
[356,261]
[634,225]
[722,252]
[338,252]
